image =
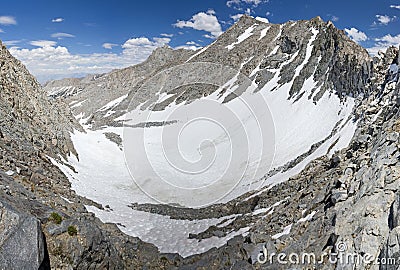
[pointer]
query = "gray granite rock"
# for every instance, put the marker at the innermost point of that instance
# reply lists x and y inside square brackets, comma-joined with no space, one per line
[22,244]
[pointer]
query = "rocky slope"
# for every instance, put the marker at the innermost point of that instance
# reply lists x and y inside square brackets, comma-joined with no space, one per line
[344,199]
[253,47]
[37,207]
[88,95]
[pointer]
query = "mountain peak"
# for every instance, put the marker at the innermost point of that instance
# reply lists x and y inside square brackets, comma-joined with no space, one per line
[317,19]
[315,46]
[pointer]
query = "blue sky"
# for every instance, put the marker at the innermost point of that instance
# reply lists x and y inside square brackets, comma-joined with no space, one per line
[71,38]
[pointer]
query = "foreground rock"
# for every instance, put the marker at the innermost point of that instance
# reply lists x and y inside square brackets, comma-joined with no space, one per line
[22,243]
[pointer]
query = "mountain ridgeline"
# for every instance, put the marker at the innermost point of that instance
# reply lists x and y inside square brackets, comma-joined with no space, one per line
[334,180]
[337,63]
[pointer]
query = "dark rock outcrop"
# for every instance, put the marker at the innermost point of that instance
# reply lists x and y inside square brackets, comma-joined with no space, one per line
[22,243]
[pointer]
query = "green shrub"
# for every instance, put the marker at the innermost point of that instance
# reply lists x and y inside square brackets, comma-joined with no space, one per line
[56,218]
[72,230]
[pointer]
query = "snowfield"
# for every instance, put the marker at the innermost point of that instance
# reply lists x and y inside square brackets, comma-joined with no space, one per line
[210,151]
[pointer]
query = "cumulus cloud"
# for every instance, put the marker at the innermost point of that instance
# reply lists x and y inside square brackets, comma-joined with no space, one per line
[108,46]
[48,61]
[203,21]
[385,19]
[394,6]
[142,46]
[392,40]
[8,20]
[188,47]
[133,42]
[356,34]
[236,17]
[1,30]
[43,43]
[211,11]
[57,20]
[62,35]
[383,43]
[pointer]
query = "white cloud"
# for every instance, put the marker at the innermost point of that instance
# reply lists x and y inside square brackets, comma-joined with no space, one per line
[255,3]
[57,20]
[188,47]
[203,21]
[62,35]
[394,6]
[392,40]
[193,43]
[211,11]
[236,17]
[43,43]
[143,46]
[10,43]
[166,35]
[1,30]
[209,36]
[333,18]
[48,61]
[385,19]
[356,34]
[383,43]
[133,42]
[108,46]
[8,20]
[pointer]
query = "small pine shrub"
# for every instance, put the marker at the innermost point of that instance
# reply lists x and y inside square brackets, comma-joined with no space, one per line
[72,230]
[56,218]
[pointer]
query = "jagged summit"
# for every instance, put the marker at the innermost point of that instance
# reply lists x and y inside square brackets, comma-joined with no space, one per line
[266,45]
[255,48]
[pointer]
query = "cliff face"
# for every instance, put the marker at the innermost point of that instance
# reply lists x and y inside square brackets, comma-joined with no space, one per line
[335,62]
[26,113]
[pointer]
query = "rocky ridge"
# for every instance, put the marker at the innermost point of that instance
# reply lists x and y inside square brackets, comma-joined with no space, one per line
[336,63]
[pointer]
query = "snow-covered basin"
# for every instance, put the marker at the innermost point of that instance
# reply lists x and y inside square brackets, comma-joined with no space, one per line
[209,152]
[103,176]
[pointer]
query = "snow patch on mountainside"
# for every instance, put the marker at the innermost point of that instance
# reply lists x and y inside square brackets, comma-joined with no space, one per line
[264,32]
[113,103]
[247,33]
